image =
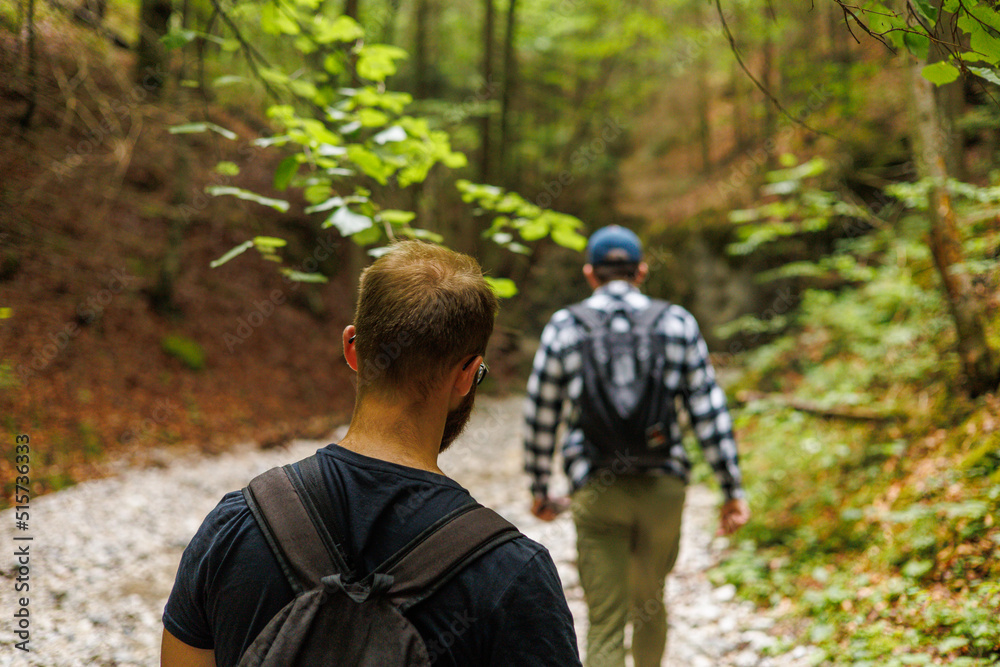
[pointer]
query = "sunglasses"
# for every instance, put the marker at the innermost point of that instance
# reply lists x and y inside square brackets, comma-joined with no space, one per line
[480,373]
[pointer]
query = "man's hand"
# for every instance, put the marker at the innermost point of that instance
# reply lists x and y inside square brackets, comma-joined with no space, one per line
[547,509]
[733,515]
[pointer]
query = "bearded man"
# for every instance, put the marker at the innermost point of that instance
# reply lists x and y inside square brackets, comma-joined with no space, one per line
[424,316]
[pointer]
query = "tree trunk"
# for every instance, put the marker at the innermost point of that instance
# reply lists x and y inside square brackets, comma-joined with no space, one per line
[31,66]
[767,78]
[389,25]
[739,109]
[151,59]
[485,161]
[979,361]
[509,82]
[704,104]
[421,57]
[351,9]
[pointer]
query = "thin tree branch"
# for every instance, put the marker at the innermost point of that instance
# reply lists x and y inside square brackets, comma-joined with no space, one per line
[849,14]
[760,86]
[250,51]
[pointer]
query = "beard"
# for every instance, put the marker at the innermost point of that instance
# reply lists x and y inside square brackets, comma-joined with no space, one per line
[457,420]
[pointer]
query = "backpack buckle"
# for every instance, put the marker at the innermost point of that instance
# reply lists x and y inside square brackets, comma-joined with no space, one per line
[360,591]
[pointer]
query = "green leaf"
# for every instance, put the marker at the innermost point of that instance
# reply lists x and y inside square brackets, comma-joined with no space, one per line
[6,313]
[927,10]
[301,277]
[368,236]
[394,217]
[390,135]
[317,193]
[534,230]
[949,644]
[424,234]
[304,89]
[991,75]
[370,163]
[378,61]
[347,222]
[229,80]
[265,142]
[372,118]
[341,29]
[176,39]
[227,168]
[238,250]
[286,170]
[504,288]
[455,160]
[269,242]
[985,45]
[917,44]
[239,193]
[195,128]
[569,238]
[335,202]
[275,21]
[915,569]
[940,73]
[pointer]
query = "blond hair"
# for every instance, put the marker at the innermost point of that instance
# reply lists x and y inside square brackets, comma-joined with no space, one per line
[421,309]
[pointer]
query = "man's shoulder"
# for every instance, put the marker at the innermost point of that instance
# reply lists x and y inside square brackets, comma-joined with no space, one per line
[518,553]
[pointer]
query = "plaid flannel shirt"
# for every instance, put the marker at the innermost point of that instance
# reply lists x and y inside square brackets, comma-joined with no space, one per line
[556,384]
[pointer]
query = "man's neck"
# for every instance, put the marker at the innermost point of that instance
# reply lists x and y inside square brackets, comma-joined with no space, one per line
[396,431]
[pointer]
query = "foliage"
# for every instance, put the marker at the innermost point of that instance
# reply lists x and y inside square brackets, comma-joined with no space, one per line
[880,532]
[797,208]
[971,29]
[352,146]
[515,214]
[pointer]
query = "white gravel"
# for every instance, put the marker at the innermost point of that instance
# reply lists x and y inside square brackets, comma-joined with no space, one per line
[104,554]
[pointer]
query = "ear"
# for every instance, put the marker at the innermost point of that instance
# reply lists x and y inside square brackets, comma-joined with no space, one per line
[588,273]
[350,354]
[465,377]
[641,273]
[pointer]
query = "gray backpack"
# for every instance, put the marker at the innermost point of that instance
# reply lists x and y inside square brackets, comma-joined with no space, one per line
[334,618]
[625,410]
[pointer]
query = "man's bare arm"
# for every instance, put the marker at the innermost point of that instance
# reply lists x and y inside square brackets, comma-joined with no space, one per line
[175,653]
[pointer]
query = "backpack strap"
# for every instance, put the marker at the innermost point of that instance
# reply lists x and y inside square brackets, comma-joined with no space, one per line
[292,529]
[645,320]
[442,550]
[591,319]
[288,507]
[642,320]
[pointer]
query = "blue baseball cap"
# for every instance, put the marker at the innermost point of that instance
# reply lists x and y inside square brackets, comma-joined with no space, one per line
[614,244]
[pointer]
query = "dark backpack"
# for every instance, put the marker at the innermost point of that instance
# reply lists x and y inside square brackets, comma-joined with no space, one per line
[335,619]
[625,411]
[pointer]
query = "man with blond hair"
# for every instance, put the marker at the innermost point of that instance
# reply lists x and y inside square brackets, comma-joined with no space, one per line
[424,316]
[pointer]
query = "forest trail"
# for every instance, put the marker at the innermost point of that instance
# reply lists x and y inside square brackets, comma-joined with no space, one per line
[105,552]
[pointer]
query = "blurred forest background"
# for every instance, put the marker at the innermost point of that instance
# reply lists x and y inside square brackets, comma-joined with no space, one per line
[189,189]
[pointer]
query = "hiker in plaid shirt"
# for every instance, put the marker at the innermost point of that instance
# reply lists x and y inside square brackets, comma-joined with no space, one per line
[627,514]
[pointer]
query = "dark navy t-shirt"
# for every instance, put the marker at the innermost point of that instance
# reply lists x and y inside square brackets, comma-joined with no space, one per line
[505,608]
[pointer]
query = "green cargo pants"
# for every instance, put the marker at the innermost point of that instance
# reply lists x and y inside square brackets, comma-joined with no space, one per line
[628,534]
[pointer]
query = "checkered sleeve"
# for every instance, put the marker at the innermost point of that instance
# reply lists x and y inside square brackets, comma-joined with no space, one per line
[543,408]
[706,403]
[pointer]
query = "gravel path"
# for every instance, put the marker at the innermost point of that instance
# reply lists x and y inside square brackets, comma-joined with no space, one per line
[104,553]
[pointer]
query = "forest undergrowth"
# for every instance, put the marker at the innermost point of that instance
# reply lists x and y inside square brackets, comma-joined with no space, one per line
[875,483]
